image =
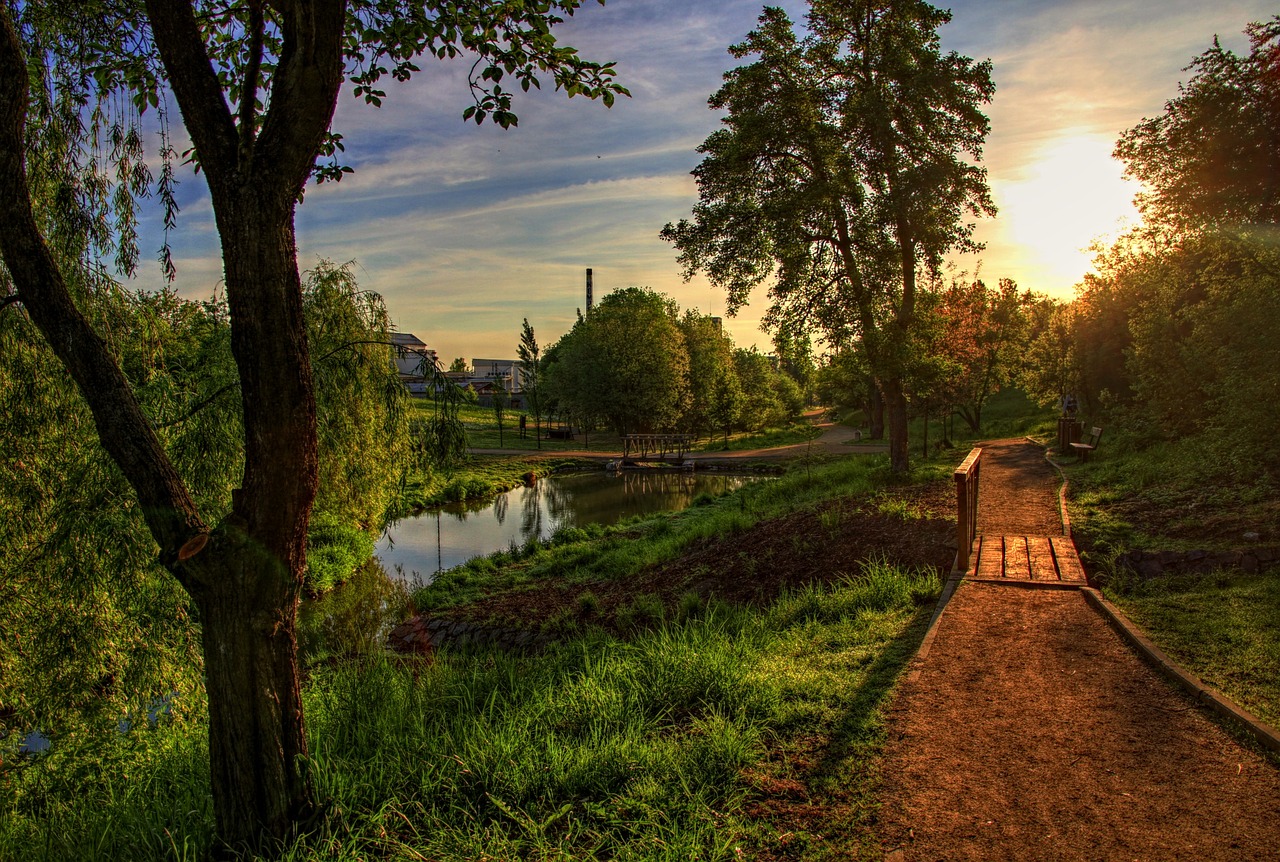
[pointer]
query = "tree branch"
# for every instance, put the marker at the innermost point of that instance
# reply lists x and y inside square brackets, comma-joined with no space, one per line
[204,111]
[123,429]
[252,78]
[304,93]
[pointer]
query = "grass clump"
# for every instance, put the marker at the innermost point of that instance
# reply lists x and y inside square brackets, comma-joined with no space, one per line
[334,550]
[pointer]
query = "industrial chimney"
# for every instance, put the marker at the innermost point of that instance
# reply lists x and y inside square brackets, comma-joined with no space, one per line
[590,299]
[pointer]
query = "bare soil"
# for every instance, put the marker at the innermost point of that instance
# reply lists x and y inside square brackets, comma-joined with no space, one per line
[816,544]
[1031,731]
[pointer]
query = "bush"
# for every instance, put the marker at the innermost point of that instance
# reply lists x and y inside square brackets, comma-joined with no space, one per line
[334,551]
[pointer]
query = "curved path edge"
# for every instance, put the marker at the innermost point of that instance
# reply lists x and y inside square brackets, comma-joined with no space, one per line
[1266,735]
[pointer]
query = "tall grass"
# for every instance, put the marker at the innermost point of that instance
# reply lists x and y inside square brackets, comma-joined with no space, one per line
[597,749]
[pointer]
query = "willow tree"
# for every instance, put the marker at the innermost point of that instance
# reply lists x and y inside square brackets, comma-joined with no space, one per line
[847,164]
[256,84]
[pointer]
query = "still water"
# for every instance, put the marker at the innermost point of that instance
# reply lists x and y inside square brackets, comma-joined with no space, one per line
[416,548]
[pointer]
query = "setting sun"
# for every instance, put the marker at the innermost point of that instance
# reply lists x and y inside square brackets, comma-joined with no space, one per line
[1072,193]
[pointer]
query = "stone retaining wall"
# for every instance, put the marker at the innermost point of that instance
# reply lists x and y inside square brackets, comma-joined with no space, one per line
[1153,564]
[424,635]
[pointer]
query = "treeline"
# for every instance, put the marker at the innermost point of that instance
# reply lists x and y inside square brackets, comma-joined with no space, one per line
[1174,335]
[968,341]
[635,364]
[88,611]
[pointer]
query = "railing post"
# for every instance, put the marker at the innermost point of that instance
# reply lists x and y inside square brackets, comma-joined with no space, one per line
[967,477]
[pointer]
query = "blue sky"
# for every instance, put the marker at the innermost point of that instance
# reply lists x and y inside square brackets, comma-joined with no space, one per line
[465,230]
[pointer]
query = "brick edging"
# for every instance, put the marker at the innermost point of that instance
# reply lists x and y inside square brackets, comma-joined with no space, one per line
[1266,735]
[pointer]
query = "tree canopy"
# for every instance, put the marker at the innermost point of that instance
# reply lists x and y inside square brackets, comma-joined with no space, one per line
[1211,158]
[847,162]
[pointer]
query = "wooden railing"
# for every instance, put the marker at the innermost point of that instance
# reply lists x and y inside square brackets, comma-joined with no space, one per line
[656,447]
[967,476]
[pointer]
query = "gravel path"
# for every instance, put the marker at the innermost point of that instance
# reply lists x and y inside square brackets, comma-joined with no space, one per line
[1030,731]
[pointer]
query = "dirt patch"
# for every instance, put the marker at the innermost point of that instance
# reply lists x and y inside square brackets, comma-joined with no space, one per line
[1032,732]
[911,526]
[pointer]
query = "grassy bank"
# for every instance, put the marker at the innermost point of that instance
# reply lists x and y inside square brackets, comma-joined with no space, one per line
[1222,626]
[576,555]
[479,477]
[1140,491]
[660,747]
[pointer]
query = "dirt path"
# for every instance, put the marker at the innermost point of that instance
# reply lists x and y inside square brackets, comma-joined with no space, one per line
[1030,731]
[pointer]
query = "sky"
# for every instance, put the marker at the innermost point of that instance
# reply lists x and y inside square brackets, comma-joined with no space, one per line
[466,230]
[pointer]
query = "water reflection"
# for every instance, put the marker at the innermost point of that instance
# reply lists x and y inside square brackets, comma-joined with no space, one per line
[355,618]
[446,537]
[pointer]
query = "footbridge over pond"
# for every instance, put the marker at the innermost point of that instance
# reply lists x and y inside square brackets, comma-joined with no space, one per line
[655,448]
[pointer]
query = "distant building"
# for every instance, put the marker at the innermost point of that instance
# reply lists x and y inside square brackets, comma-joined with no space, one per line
[411,356]
[503,371]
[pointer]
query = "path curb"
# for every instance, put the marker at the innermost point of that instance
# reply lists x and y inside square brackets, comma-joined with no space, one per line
[922,652]
[1062,488]
[1266,735]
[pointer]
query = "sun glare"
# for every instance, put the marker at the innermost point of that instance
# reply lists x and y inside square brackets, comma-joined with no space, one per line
[1072,194]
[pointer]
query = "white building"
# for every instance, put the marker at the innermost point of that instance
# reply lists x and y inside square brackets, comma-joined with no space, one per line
[411,354]
[503,371]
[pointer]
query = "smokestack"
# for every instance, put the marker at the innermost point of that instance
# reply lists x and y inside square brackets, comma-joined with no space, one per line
[590,300]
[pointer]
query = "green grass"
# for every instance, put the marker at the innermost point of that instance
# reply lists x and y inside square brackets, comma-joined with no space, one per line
[1164,494]
[482,433]
[606,553]
[1224,627]
[799,432]
[597,749]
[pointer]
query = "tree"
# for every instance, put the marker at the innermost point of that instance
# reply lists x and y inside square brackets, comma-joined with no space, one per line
[795,358]
[984,338]
[500,402]
[726,401]
[1211,158]
[848,163]
[759,406]
[531,375]
[624,362]
[710,358]
[256,84]
[458,365]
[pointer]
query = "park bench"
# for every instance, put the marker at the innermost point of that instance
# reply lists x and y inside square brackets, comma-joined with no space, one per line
[1083,449]
[559,433]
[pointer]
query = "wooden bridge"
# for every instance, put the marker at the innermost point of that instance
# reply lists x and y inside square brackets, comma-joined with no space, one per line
[1027,560]
[663,448]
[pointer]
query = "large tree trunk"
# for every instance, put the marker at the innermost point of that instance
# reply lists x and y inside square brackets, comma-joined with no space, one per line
[257,736]
[875,409]
[257,739]
[896,404]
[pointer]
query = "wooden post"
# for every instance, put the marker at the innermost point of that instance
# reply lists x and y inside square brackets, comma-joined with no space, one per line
[967,477]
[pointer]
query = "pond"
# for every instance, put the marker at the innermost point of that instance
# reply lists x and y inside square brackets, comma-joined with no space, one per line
[415,549]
